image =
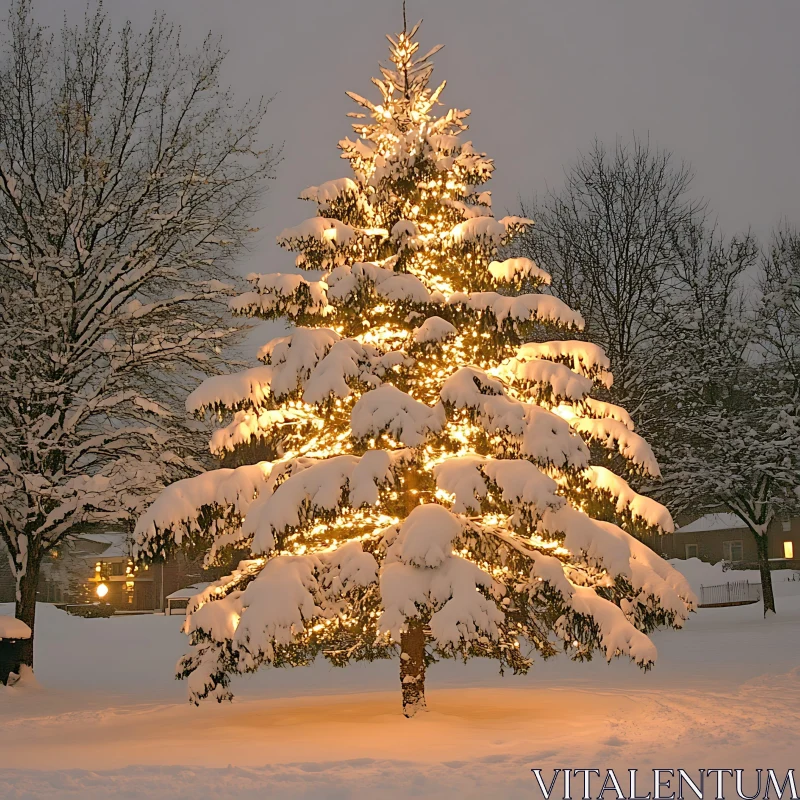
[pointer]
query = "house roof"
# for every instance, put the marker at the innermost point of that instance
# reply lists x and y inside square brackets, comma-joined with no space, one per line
[189,591]
[116,541]
[713,522]
[112,537]
[119,550]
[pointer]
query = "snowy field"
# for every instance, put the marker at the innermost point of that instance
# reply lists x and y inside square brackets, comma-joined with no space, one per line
[105,719]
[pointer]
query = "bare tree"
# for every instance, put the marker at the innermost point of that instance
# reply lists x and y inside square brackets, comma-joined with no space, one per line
[608,239]
[723,422]
[127,178]
[780,306]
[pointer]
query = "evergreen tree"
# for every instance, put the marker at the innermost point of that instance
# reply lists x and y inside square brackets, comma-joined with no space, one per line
[432,494]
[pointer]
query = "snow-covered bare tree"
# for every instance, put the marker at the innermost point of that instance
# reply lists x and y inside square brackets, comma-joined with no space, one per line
[780,307]
[722,410]
[433,494]
[608,238]
[126,181]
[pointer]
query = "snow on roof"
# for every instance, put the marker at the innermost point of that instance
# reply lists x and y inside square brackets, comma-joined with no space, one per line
[116,541]
[12,628]
[713,522]
[120,550]
[188,592]
[118,545]
[112,537]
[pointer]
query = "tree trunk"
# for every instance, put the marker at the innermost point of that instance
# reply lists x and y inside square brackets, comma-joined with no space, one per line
[412,667]
[762,543]
[26,605]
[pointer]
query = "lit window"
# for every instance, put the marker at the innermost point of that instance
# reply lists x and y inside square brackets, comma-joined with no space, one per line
[788,550]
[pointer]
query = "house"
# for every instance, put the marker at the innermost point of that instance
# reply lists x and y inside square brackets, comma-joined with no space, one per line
[111,576]
[96,565]
[62,568]
[724,537]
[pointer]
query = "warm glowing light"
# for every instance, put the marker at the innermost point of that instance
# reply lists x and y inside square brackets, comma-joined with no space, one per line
[788,549]
[101,591]
[565,411]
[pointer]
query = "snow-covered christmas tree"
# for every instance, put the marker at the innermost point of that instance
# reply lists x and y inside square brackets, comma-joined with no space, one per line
[432,494]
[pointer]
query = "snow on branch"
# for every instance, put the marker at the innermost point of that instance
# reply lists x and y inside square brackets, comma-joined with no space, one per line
[389,410]
[615,633]
[487,230]
[282,295]
[314,362]
[468,480]
[319,491]
[640,507]
[421,574]
[584,358]
[467,210]
[599,409]
[347,281]
[479,229]
[524,308]
[247,426]
[281,603]
[607,546]
[616,435]
[177,510]
[550,379]
[247,389]
[286,594]
[530,430]
[516,270]
[330,234]
[324,194]
[434,329]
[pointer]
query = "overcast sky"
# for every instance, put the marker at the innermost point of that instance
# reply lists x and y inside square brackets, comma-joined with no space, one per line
[715,81]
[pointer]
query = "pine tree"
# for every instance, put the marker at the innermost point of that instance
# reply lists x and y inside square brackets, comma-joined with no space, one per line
[432,494]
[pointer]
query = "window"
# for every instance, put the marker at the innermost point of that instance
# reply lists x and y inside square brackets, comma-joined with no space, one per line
[787,525]
[691,551]
[732,551]
[117,568]
[788,549]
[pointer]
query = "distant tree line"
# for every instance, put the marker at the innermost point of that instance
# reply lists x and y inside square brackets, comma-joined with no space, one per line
[703,330]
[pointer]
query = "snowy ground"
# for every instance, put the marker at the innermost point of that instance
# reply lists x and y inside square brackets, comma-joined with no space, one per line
[106,719]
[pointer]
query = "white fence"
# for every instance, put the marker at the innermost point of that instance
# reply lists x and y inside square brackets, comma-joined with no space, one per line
[733,593]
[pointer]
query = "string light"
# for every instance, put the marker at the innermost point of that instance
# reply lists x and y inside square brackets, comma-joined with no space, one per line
[393,252]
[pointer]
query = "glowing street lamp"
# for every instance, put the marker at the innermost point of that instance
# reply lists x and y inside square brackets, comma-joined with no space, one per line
[101,591]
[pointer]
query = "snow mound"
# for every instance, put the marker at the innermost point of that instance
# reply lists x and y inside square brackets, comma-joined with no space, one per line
[13,628]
